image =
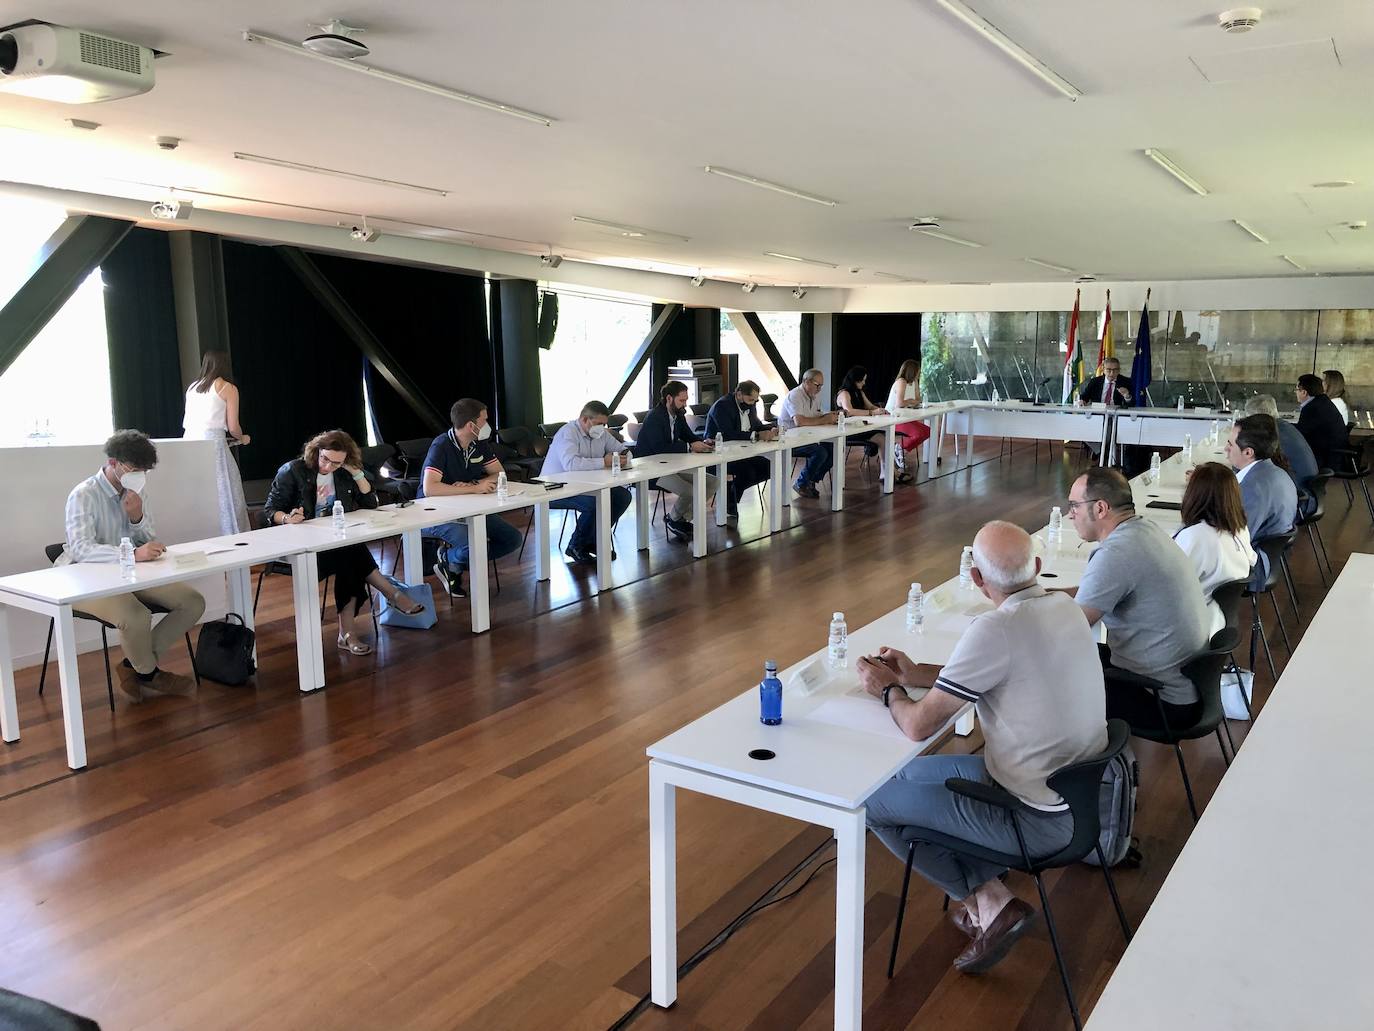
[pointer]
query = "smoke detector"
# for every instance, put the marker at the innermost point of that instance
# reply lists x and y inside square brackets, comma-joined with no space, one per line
[1239,19]
[925,222]
[337,39]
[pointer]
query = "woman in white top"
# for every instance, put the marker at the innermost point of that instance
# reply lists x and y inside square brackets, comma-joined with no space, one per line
[1334,381]
[212,411]
[906,393]
[1214,533]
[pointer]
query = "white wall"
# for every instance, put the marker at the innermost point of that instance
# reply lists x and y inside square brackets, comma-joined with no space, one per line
[181,497]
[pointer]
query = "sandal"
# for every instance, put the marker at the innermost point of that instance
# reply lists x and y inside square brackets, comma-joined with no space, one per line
[395,603]
[352,645]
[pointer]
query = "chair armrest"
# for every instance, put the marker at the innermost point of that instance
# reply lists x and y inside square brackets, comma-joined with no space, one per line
[1113,675]
[989,793]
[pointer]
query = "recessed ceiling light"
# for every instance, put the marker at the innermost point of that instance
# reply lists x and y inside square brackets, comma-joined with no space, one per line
[764,184]
[1333,184]
[631,232]
[804,261]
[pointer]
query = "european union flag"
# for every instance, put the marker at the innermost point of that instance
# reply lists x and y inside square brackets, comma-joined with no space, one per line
[1140,365]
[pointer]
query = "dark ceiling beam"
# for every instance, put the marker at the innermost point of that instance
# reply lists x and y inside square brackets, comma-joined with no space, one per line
[770,348]
[656,335]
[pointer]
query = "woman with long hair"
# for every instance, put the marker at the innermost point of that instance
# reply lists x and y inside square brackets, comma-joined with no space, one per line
[1214,533]
[852,400]
[1334,381]
[906,393]
[330,469]
[212,413]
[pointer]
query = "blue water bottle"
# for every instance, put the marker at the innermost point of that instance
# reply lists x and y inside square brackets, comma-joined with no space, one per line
[770,695]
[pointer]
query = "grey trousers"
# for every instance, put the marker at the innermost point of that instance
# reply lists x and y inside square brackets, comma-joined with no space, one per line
[917,797]
[680,484]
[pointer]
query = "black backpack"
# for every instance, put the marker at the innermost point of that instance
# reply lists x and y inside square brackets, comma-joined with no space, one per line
[224,652]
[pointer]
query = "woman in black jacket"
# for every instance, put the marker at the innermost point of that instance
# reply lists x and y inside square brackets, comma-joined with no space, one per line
[330,469]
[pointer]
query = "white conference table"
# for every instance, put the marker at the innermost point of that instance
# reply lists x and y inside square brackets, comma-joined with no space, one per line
[1244,933]
[1090,425]
[834,748]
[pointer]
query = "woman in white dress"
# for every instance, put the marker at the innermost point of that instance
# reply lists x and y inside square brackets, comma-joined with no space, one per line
[906,393]
[212,411]
[1334,381]
[1214,533]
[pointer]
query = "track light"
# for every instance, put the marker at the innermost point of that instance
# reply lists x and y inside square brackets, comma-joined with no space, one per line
[551,260]
[1247,227]
[698,279]
[1162,160]
[749,287]
[364,233]
[764,184]
[171,209]
[1011,48]
[798,293]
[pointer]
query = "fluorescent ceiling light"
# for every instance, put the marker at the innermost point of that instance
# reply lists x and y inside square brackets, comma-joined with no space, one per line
[1011,48]
[947,237]
[1163,162]
[1296,265]
[1047,264]
[751,180]
[1250,229]
[633,232]
[356,177]
[903,279]
[400,80]
[804,261]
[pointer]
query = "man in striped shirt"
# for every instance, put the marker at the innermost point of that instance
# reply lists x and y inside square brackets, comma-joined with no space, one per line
[103,510]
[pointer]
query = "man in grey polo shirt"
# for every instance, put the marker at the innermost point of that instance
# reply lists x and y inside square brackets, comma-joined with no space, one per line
[1143,588]
[1030,666]
[802,407]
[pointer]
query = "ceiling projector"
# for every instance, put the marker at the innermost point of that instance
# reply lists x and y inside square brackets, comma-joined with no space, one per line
[72,66]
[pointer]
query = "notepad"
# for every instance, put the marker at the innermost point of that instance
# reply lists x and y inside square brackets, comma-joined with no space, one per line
[858,710]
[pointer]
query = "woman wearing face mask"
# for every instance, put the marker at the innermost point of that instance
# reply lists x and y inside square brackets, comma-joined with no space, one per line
[906,393]
[331,469]
[212,411]
[852,400]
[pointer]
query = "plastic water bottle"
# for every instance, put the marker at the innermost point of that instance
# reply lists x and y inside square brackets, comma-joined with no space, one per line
[502,486]
[615,463]
[1056,522]
[339,519]
[1154,467]
[770,695]
[720,442]
[839,642]
[996,397]
[1188,448]
[842,419]
[126,559]
[915,613]
[1180,402]
[966,569]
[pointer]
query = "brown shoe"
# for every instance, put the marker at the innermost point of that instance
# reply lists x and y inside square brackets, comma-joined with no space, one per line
[130,684]
[992,944]
[173,684]
[959,917]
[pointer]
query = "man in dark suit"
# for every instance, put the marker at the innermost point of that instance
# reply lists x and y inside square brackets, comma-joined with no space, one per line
[1267,492]
[735,417]
[1319,420]
[665,432]
[1302,464]
[1111,388]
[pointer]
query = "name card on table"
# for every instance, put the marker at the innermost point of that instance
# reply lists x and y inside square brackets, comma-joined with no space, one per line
[809,679]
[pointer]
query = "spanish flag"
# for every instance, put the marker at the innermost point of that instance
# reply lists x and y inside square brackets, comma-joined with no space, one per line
[1108,348]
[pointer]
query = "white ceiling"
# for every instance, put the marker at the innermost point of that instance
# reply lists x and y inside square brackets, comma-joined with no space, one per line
[891,107]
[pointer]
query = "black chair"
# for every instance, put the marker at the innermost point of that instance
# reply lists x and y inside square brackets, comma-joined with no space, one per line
[550,429]
[615,425]
[1273,549]
[1228,597]
[1316,488]
[521,440]
[377,458]
[1204,670]
[277,567]
[1079,784]
[1349,466]
[641,416]
[769,400]
[52,551]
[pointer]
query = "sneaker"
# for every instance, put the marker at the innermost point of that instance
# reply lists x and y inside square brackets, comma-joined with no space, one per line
[681,529]
[579,554]
[171,683]
[806,490]
[450,579]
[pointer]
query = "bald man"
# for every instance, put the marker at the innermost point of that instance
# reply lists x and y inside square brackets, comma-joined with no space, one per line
[1031,669]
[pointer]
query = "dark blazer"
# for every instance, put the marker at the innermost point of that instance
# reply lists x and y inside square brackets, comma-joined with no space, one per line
[1302,464]
[659,436]
[1321,423]
[1091,391]
[724,418]
[294,487]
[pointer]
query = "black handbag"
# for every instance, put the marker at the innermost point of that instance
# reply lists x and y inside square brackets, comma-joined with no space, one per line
[224,651]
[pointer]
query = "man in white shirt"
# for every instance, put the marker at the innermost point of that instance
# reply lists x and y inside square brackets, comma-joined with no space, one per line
[802,407]
[581,445]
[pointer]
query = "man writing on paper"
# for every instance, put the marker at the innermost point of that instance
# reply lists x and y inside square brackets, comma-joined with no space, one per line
[101,511]
[1030,667]
[585,444]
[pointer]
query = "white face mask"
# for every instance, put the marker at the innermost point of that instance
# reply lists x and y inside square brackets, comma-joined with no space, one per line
[596,432]
[134,480]
[484,432]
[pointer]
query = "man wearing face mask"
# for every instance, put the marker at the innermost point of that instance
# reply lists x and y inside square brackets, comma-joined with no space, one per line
[461,461]
[582,445]
[101,511]
[665,432]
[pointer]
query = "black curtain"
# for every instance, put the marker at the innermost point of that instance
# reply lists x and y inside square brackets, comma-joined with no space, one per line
[296,370]
[433,324]
[880,342]
[141,325]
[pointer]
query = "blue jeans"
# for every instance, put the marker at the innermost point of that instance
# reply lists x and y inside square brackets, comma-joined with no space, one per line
[584,533]
[818,461]
[502,539]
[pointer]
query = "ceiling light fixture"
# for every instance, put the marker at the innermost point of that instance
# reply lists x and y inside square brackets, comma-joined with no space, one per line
[1048,264]
[364,233]
[764,184]
[935,231]
[1250,229]
[1011,48]
[170,209]
[632,232]
[250,36]
[551,260]
[1330,184]
[749,287]
[337,39]
[354,176]
[804,261]
[1162,160]
[1297,265]
[697,280]
[798,293]
[901,279]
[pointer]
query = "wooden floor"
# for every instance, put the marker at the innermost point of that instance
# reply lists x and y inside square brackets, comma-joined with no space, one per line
[454,833]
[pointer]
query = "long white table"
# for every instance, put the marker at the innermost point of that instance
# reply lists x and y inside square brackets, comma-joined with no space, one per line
[1245,932]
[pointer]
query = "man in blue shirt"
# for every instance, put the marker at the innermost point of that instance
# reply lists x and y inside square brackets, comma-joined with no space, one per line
[461,461]
[1302,464]
[582,445]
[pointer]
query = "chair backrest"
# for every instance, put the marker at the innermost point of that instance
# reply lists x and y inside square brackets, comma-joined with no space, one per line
[550,429]
[1204,670]
[641,416]
[378,455]
[1079,784]
[1274,549]
[411,454]
[699,409]
[617,421]
[518,437]
[53,551]
[1227,596]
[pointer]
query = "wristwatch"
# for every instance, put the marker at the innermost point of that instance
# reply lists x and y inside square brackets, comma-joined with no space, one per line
[887,704]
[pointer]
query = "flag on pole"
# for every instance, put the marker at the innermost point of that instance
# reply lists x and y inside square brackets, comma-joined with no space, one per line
[1140,364]
[1073,360]
[1108,347]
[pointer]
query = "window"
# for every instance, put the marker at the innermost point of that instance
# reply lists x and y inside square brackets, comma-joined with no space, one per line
[596,338]
[784,329]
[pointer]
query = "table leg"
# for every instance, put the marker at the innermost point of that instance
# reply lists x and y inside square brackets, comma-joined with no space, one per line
[889,460]
[849,922]
[933,445]
[778,489]
[604,541]
[414,556]
[73,720]
[241,599]
[9,708]
[643,511]
[785,480]
[837,474]
[542,559]
[479,595]
[662,887]
[722,493]
[1107,441]
[699,510]
[305,592]
[964,725]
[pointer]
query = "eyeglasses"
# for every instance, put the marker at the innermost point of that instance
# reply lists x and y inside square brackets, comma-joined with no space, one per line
[1085,501]
[326,460]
